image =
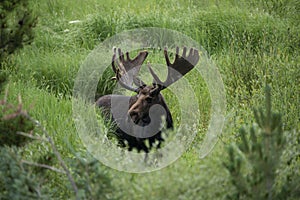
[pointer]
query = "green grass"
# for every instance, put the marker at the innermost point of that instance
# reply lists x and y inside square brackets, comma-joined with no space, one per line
[251,42]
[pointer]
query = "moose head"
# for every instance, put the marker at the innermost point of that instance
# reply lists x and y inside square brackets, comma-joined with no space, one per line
[135,117]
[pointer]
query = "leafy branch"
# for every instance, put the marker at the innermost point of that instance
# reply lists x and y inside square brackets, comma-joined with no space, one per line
[260,149]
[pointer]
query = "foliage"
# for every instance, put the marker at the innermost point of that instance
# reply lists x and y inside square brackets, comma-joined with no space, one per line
[252,42]
[288,172]
[91,180]
[260,151]
[15,181]
[3,80]
[12,120]
[17,23]
[21,179]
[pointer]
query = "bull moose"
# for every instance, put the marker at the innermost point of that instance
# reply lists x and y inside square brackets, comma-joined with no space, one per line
[136,120]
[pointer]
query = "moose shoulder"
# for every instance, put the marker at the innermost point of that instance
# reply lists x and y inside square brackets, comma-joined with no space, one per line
[139,117]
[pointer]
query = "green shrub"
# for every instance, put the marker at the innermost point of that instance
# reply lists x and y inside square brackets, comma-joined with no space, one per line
[13,119]
[16,22]
[254,163]
[15,181]
[92,180]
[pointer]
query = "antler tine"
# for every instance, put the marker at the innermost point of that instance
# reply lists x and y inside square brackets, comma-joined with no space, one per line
[157,81]
[177,53]
[121,55]
[113,61]
[127,56]
[184,52]
[118,73]
[127,69]
[181,65]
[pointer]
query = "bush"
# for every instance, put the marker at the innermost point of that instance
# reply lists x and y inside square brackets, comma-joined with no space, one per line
[13,119]
[15,181]
[254,163]
[16,22]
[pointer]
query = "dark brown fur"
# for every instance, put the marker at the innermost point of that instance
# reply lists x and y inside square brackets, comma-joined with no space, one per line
[138,110]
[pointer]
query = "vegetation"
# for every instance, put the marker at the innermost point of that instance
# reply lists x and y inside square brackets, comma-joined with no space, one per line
[16,22]
[254,43]
[261,149]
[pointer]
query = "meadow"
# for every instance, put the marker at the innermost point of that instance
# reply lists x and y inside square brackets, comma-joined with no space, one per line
[252,43]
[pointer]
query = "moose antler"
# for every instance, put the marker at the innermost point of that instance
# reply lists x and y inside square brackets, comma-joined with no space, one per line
[127,70]
[181,65]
